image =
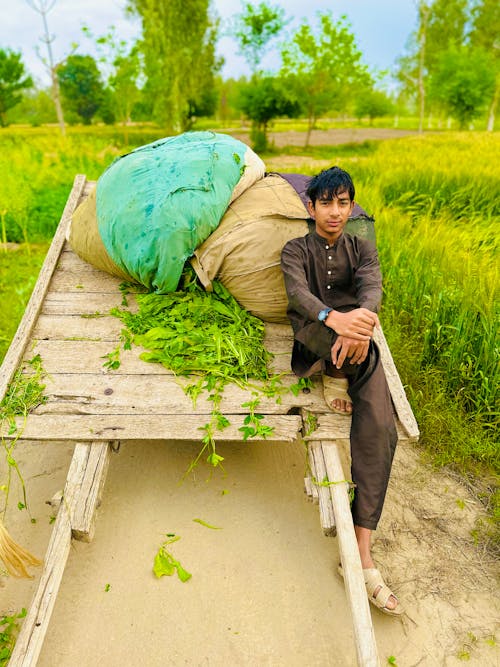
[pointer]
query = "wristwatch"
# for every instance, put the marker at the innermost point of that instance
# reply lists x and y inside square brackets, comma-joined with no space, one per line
[323,314]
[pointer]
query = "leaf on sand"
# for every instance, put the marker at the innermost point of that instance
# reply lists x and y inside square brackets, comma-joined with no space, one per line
[165,565]
[207,525]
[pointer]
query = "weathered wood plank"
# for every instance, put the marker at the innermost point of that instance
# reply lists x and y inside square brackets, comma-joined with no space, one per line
[83,280]
[88,356]
[67,327]
[90,489]
[76,303]
[159,394]
[143,427]
[15,352]
[335,426]
[318,469]
[34,628]
[399,399]
[364,636]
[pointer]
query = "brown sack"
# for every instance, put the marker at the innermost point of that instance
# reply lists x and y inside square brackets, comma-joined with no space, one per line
[83,236]
[244,252]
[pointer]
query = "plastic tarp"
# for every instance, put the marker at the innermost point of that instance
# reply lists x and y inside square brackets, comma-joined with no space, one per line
[158,203]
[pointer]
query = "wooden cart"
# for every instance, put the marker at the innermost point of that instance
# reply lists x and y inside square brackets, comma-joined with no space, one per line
[67,323]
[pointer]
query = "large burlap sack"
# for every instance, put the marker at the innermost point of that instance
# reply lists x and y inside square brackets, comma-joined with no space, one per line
[152,207]
[244,252]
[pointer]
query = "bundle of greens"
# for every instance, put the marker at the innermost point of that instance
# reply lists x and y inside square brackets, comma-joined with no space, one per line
[205,334]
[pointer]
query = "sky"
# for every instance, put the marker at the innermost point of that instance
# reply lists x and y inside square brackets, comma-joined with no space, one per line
[381,28]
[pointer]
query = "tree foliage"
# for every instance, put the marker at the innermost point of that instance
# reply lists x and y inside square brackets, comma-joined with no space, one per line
[262,100]
[445,28]
[122,66]
[81,86]
[178,45]
[323,65]
[13,79]
[463,82]
[254,29]
[373,103]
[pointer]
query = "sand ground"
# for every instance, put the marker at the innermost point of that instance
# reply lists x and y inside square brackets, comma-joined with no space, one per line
[264,589]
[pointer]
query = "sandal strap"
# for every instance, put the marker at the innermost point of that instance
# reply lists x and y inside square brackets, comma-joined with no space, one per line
[374,581]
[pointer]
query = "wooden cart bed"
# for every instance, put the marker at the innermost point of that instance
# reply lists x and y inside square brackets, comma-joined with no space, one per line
[67,323]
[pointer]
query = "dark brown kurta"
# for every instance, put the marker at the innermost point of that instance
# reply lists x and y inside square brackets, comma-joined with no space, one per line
[344,276]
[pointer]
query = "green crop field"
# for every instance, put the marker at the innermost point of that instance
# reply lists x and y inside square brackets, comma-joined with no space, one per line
[436,203]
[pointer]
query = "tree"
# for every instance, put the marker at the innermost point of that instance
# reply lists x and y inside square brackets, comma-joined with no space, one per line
[441,26]
[322,66]
[262,100]
[178,45]
[373,103]
[43,7]
[485,34]
[81,86]
[255,28]
[13,79]
[122,72]
[463,81]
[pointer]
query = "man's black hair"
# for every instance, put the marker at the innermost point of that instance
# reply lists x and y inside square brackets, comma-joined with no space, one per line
[329,183]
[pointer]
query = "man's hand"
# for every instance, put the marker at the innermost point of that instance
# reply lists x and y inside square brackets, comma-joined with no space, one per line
[357,324]
[355,350]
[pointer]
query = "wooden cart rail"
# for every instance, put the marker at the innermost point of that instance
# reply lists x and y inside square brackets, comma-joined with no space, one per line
[94,408]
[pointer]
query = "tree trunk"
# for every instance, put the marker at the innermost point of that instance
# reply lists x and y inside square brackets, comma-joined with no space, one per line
[56,96]
[424,17]
[310,124]
[493,106]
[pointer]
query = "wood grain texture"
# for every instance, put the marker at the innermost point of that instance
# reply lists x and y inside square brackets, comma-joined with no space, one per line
[88,428]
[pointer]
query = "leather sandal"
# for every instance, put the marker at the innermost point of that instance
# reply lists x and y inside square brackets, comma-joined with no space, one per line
[336,388]
[374,581]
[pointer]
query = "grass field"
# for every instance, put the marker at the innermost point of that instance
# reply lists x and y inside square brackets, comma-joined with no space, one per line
[435,200]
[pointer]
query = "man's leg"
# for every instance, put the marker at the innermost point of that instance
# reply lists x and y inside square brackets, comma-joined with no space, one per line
[373,442]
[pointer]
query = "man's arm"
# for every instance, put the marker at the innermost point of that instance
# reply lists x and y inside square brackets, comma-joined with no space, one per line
[367,276]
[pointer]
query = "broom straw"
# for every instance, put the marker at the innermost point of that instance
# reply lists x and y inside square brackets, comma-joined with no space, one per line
[15,558]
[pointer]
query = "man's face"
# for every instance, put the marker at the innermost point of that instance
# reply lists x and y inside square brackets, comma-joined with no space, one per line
[331,215]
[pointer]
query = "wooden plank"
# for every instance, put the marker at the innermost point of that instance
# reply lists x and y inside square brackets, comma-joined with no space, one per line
[15,352]
[318,469]
[364,635]
[76,303]
[82,280]
[90,489]
[142,427]
[332,426]
[157,394]
[87,356]
[401,404]
[68,327]
[34,628]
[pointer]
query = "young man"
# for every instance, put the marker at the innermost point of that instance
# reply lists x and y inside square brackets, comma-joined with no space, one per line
[334,291]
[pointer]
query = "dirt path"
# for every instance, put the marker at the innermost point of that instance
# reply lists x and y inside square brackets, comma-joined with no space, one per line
[264,589]
[331,137]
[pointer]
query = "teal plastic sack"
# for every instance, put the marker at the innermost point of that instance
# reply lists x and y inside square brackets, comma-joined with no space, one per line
[157,204]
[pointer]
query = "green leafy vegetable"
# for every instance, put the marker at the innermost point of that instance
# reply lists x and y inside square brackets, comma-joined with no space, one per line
[165,565]
[205,334]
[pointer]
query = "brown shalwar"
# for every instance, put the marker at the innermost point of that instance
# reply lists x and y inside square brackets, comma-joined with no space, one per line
[344,276]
